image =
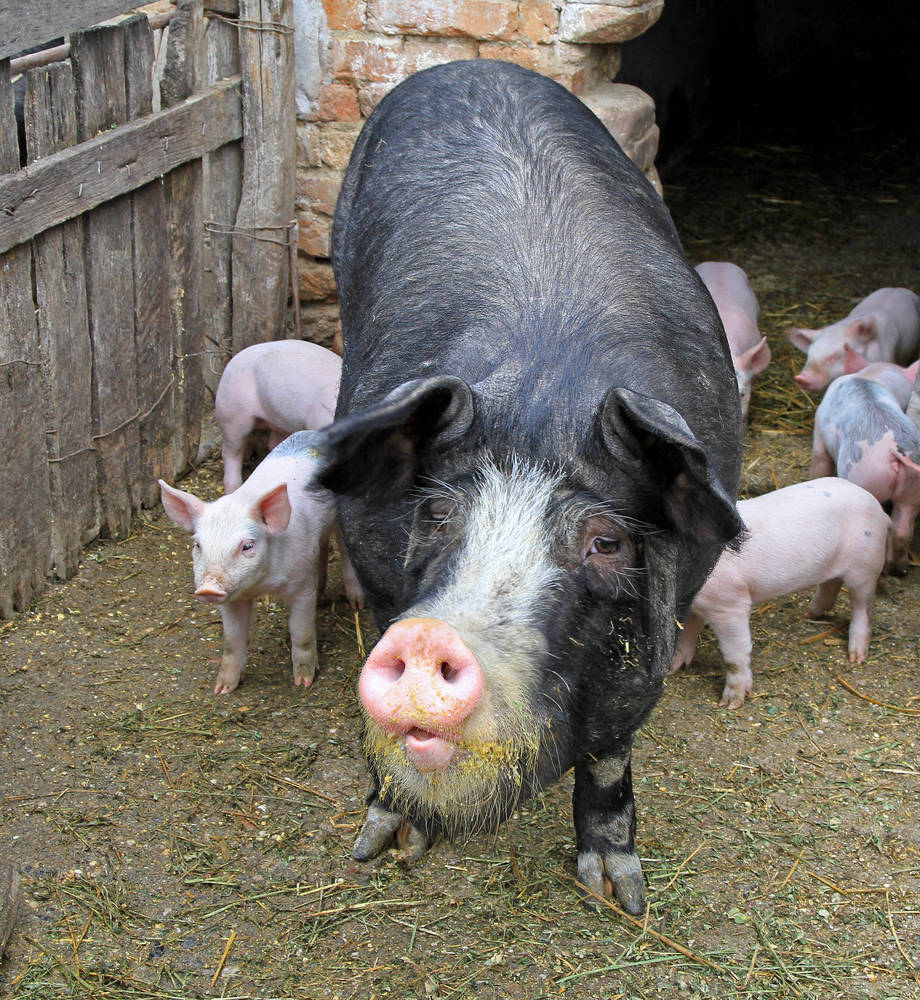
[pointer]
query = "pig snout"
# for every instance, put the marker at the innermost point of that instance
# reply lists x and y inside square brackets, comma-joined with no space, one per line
[811,381]
[211,590]
[421,682]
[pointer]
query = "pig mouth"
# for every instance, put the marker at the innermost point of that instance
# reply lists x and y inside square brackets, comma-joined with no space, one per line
[428,751]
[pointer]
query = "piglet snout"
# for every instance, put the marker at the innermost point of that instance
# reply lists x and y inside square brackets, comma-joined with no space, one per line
[420,680]
[211,590]
[810,381]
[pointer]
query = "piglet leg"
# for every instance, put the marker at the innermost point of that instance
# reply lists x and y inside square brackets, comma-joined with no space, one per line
[733,630]
[605,829]
[236,616]
[302,625]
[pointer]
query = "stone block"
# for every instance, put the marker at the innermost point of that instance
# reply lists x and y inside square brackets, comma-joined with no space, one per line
[338,102]
[627,111]
[336,140]
[319,189]
[537,21]
[589,23]
[320,324]
[345,15]
[307,145]
[314,231]
[315,280]
[487,20]
[367,60]
[576,67]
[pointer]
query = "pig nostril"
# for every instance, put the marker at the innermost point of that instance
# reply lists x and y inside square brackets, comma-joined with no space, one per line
[393,669]
[448,672]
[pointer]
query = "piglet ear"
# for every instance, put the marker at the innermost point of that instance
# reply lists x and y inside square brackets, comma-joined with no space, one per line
[863,330]
[377,449]
[274,509]
[183,508]
[651,441]
[853,361]
[755,359]
[801,338]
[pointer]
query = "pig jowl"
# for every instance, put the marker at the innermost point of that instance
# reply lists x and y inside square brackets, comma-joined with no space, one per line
[535,455]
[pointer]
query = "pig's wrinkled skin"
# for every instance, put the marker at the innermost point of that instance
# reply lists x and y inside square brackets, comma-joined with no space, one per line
[825,532]
[885,326]
[285,385]
[739,311]
[862,430]
[536,450]
[270,536]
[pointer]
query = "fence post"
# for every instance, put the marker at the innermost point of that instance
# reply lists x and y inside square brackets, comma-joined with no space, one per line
[261,270]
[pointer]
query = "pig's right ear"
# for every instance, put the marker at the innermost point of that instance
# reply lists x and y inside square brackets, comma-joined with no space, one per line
[377,449]
[800,338]
[181,507]
[853,361]
[652,442]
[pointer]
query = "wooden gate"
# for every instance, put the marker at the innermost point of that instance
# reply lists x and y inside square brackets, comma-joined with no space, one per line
[130,267]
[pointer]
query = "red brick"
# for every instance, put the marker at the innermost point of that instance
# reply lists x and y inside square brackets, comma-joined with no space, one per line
[338,102]
[314,232]
[345,15]
[487,20]
[358,61]
[315,281]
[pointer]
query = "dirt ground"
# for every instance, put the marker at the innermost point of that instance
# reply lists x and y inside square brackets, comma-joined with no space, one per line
[175,844]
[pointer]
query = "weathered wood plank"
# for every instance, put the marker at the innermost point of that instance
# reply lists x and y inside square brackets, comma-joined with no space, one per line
[183,74]
[25,499]
[98,57]
[260,252]
[68,183]
[66,350]
[222,182]
[153,329]
[25,23]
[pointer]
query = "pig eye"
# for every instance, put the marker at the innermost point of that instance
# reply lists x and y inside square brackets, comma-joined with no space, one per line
[605,547]
[440,511]
[247,546]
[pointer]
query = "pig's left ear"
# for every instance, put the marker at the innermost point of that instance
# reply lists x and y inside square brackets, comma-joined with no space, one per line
[863,330]
[377,450]
[652,441]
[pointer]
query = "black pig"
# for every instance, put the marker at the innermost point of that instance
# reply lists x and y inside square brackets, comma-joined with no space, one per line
[536,450]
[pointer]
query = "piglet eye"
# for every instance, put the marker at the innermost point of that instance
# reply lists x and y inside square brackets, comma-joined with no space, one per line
[440,515]
[605,546]
[247,546]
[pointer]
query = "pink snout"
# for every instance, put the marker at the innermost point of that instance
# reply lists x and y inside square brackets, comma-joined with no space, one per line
[810,381]
[421,681]
[210,590]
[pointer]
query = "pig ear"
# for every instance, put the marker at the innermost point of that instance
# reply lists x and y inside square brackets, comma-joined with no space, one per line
[183,508]
[853,361]
[378,448]
[801,338]
[911,372]
[755,358]
[652,441]
[863,330]
[274,508]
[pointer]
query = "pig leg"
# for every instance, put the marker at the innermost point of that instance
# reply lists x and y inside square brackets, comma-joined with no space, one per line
[733,630]
[302,625]
[824,598]
[378,830]
[862,596]
[605,828]
[900,535]
[236,616]
[686,646]
[353,589]
[236,427]
[822,462]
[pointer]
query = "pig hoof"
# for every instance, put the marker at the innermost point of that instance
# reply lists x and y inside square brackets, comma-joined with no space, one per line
[376,833]
[305,681]
[225,687]
[614,873]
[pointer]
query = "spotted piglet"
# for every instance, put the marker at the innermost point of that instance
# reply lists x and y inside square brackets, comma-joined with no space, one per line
[285,385]
[738,309]
[270,536]
[827,532]
[862,430]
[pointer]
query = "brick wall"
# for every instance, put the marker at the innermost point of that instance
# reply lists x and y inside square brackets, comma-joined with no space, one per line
[352,52]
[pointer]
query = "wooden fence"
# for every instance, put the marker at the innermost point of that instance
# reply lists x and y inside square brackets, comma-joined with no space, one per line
[130,268]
